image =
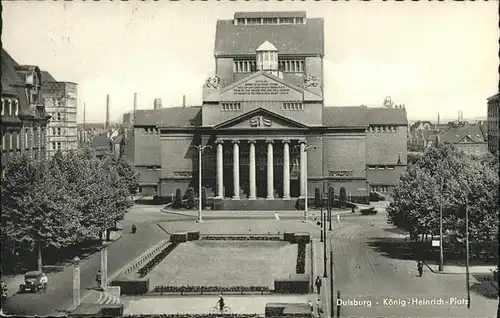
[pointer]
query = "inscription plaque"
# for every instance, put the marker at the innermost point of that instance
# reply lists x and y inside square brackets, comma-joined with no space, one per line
[262,87]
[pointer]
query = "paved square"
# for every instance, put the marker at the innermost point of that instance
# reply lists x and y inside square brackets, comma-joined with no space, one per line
[226,263]
[201,305]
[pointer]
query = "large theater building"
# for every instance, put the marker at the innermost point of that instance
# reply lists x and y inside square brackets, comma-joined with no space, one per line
[263,116]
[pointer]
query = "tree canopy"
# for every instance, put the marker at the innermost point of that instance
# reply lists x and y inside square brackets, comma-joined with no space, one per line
[62,201]
[467,180]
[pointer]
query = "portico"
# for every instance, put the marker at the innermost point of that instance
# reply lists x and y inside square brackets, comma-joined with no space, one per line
[259,163]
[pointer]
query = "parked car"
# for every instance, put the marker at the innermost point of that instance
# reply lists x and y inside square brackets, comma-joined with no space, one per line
[32,282]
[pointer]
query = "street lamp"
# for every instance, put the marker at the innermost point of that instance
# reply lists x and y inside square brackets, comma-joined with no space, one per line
[305,177]
[200,150]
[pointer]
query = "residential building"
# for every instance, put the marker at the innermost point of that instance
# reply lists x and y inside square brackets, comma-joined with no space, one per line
[467,137]
[493,124]
[24,119]
[264,117]
[60,99]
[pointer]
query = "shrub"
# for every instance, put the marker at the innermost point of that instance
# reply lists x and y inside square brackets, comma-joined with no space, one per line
[296,284]
[331,196]
[210,289]
[300,204]
[193,235]
[317,198]
[301,259]
[302,238]
[138,286]
[190,198]
[218,204]
[241,238]
[179,237]
[178,199]
[156,260]
[204,199]
[112,310]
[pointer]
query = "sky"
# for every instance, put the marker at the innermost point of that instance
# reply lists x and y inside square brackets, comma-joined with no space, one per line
[434,57]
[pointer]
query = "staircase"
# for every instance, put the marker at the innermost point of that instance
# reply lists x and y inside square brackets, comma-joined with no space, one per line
[259,205]
[106,298]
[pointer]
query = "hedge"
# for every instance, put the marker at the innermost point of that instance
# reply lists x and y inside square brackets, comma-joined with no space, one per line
[297,284]
[289,237]
[301,258]
[156,260]
[241,238]
[210,289]
[302,238]
[179,237]
[193,235]
[138,286]
[112,310]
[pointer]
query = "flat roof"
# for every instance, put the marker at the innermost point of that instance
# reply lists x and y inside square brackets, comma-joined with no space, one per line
[270,14]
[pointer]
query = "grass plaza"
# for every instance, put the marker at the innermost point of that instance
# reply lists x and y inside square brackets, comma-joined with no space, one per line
[240,259]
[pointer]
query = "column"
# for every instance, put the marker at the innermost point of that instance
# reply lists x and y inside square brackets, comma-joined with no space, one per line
[286,169]
[236,169]
[253,190]
[270,170]
[220,180]
[302,168]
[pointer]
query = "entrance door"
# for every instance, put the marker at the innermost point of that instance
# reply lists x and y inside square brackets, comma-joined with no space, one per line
[261,181]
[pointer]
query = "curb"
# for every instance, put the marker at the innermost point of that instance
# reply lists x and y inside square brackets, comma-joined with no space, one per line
[441,273]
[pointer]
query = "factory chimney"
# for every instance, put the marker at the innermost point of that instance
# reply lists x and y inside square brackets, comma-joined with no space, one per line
[184,101]
[106,127]
[135,106]
[157,103]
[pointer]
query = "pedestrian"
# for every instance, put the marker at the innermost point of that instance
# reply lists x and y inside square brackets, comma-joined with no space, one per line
[44,280]
[319,307]
[311,306]
[318,284]
[420,267]
[98,279]
[276,216]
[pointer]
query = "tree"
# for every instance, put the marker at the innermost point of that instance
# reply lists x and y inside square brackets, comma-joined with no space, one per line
[36,211]
[190,198]
[317,198]
[204,199]
[416,200]
[178,199]
[414,157]
[126,172]
[342,196]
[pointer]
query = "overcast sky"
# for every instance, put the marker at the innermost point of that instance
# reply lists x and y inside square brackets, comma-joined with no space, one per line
[431,56]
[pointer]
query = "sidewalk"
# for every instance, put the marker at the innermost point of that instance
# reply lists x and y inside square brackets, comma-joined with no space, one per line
[460,270]
[222,214]
[325,286]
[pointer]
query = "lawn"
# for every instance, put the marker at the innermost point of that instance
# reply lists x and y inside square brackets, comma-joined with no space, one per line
[226,263]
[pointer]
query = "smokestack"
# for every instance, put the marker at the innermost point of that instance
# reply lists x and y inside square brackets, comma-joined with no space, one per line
[84,116]
[107,113]
[135,104]
[157,103]
[183,100]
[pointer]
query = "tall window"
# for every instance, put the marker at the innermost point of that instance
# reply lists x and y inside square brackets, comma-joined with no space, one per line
[3,106]
[53,146]
[58,116]
[59,146]
[58,131]
[53,131]
[18,140]
[230,106]
[10,141]
[245,66]
[292,66]
[26,139]
[16,107]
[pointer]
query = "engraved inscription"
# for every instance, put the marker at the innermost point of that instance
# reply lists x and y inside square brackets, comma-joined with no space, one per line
[262,87]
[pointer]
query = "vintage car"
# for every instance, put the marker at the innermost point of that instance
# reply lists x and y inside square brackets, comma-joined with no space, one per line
[31,282]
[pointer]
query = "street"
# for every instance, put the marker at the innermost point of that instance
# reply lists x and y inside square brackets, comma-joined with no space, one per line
[372,284]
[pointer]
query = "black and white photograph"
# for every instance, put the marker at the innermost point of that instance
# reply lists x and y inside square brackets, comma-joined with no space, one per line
[248,159]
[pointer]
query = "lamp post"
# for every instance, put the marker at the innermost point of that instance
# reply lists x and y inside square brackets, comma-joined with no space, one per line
[305,177]
[467,250]
[321,207]
[200,150]
[76,282]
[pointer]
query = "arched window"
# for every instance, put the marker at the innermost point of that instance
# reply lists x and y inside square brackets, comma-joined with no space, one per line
[3,106]
[16,107]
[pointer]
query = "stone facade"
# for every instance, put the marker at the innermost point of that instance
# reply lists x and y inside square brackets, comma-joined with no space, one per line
[493,123]
[24,119]
[268,129]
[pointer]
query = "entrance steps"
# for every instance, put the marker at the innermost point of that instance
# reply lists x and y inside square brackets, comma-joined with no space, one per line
[259,204]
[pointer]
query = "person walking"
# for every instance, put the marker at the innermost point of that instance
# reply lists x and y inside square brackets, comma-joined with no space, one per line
[44,280]
[98,279]
[319,307]
[420,268]
[318,284]
[276,216]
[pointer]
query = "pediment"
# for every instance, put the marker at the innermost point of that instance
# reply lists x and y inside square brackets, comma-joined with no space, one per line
[262,86]
[465,140]
[260,119]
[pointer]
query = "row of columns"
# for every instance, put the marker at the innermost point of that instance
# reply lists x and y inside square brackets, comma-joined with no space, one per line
[270,169]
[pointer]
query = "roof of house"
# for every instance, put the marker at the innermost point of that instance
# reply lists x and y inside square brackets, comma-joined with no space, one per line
[177,117]
[418,122]
[169,117]
[305,38]
[12,83]
[47,77]
[494,97]
[454,134]
[100,141]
